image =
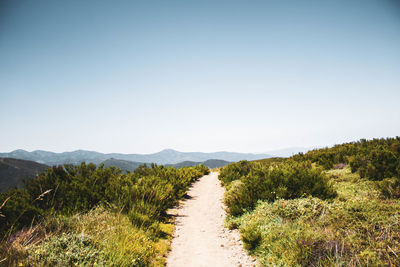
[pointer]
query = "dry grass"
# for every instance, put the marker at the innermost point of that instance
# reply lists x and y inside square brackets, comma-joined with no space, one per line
[104,237]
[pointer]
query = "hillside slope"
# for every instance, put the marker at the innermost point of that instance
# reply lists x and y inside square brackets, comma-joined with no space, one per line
[335,206]
[13,171]
[124,165]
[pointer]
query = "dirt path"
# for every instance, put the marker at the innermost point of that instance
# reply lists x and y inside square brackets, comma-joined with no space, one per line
[200,238]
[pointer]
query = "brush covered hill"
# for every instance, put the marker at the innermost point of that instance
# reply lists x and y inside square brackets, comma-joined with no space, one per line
[14,171]
[124,165]
[88,215]
[336,206]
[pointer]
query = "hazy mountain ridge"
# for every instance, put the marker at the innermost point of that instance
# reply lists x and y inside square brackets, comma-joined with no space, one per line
[167,156]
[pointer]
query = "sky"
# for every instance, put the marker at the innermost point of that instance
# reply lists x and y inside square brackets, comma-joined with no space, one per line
[244,76]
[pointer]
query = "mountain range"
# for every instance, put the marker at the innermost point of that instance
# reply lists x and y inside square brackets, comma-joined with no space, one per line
[167,156]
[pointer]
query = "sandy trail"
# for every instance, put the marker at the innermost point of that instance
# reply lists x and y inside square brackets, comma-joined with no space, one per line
[200,238]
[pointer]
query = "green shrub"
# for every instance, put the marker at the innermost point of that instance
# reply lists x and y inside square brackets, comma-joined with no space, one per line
[234,171]
[288,181]
[251,235]
[376,159]
[74,188]
[389,187]
[382,163]
[236,198]
[19,210]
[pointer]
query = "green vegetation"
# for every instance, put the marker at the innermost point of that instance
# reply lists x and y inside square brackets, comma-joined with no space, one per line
[375,159]
[88,215]
[290,212]
[269,182]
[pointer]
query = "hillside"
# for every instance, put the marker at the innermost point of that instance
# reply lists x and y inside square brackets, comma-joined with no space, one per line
[13,171]
[167,156]
[335,206]
[124,165]
[86,215]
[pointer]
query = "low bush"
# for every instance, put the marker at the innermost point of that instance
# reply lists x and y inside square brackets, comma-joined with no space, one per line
[389,187]
[19,210]
[234,171]
[380,163]
[287,180]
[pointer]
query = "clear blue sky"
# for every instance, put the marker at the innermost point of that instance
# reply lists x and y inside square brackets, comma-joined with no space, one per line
[247,76]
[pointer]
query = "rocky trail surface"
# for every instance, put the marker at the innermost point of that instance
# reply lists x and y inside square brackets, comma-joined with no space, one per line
[200,238]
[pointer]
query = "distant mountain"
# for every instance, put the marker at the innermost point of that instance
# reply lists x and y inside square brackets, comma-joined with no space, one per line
[167,156]
[14,171]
